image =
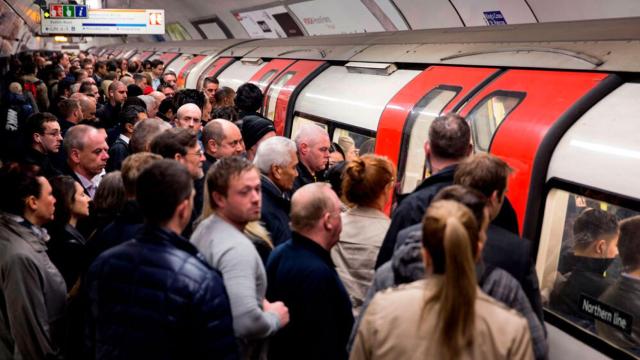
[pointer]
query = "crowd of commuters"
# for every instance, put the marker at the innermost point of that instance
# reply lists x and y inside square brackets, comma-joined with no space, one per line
[142,220]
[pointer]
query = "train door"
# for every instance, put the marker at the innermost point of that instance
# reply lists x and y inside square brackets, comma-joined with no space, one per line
[184,70]
[511,115]
[166,58]
[213,69]
[269,72]
[178,64]
[349,100]
[280,92]
[405,122]
[240,72]
[590,186]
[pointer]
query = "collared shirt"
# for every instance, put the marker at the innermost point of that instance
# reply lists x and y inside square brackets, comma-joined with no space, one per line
[155,83]
[124,138]
[89,185]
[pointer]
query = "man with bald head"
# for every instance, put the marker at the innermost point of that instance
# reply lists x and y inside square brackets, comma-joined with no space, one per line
[300,273]
[116,95]
[313,144]
[220,138]
[188,116]
[87,106]
[87,155]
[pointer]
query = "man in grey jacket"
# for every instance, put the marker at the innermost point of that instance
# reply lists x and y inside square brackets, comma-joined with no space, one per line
[234,194]
[33,290]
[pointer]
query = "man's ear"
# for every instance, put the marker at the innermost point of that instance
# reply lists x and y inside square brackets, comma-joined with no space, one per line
[470,149]
[218,199]
[427,148]
[326,222]
[178,157]
[183,210]
[303,149]
[212,146]
[32,203]
[37,138]
[601,247]
[276,171]
[129,128]
[74,155]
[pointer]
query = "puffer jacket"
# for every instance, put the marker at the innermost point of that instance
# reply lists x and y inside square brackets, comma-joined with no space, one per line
[155,298]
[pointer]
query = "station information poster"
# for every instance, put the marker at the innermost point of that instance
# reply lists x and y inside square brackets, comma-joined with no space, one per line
[106,22]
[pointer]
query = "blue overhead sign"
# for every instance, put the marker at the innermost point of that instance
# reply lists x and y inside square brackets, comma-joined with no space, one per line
[81,11]
[494,18]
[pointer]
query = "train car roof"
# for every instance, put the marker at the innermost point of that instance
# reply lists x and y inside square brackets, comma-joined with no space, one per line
[601,150]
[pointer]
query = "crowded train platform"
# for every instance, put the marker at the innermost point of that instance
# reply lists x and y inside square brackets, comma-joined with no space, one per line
[406,194]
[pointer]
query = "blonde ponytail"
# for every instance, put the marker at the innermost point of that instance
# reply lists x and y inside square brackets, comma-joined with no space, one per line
[450,235]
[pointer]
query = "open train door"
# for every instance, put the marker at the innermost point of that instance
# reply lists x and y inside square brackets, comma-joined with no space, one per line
[284,87]
[511,116]
[404,124]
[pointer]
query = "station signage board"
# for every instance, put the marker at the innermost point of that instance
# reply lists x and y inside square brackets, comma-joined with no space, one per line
[63,20]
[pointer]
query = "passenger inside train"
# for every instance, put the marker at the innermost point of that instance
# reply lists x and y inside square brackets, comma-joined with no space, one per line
[230,212]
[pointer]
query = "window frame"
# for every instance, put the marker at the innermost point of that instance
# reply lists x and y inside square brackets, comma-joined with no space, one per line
[411,119]
[520,95]
[583,335]
[332,125]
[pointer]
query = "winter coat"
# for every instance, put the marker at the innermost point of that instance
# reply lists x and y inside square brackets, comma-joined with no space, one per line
[156,298]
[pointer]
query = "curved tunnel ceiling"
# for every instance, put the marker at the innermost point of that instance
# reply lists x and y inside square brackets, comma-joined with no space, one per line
[220,19]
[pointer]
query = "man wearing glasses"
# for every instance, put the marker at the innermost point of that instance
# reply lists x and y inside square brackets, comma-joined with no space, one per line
[43,139]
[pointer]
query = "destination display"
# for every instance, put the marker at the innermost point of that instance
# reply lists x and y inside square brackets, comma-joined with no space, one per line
[102,21]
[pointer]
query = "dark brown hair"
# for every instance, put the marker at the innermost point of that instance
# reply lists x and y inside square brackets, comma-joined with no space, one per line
[483,172]
[220,174]
[173,141]
[629,243]
[449,136]
[64,190]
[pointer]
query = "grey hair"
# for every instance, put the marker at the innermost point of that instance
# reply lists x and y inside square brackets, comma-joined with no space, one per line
[149,101]
[76,137]
[274,151]
[144,132]
[309,133]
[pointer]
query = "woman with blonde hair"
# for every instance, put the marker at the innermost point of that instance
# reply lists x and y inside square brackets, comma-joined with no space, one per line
[367,182]
[445,316]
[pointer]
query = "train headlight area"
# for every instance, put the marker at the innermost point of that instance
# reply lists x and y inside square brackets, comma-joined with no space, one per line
[557,103]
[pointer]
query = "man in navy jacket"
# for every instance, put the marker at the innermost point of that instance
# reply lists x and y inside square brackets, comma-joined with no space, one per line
[301,274]
[154,297]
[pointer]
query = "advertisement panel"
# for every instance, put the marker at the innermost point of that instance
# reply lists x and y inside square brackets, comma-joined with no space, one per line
[104,22]
[270,23]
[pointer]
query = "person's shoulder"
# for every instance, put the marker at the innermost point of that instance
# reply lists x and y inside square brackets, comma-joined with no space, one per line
[497,313]
[410,292]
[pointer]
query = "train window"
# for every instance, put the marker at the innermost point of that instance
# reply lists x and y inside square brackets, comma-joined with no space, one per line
[589,266]
[298,121]
[353,143]
[264,80]
[273,92]
[417,129]
[239,73]
[489,114]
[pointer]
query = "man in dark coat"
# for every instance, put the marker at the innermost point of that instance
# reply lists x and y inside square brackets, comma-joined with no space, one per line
[43,139]
[120,148]
[301,274]
[313,145]
[276,159]
[489,175]
[449,143]
[220,138]
[116,95]
[595,245]
[133,315]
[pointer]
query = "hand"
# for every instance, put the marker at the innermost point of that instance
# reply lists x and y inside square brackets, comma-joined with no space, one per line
[278,308]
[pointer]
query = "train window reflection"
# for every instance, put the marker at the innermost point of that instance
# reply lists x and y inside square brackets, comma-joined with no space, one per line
[353,143]
[298,121]
[489,114]
[264,80]
[589,266]
[417,127]
[274,92]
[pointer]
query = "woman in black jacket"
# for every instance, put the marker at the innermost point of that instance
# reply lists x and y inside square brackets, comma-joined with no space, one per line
[66,248]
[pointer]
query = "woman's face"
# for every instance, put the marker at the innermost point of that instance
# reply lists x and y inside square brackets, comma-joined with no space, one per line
[81,201]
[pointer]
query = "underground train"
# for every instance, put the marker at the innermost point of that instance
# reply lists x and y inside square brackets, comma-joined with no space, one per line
[559,102]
